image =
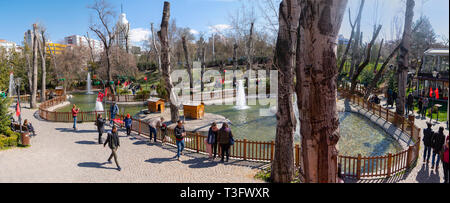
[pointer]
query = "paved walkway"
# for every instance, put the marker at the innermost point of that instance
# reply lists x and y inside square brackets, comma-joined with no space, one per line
[422,173]
[58,154]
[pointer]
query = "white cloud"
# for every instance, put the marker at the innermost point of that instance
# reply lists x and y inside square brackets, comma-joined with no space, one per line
[219,28]
[138,35]
[194,32]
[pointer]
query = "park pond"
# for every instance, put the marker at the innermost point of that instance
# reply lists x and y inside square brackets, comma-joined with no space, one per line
[358,134]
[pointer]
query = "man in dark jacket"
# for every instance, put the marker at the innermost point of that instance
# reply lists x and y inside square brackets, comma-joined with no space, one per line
[180,134]
[223,138]
[437,144]
[114,144]
[427,136]
[410,104]
[100,127]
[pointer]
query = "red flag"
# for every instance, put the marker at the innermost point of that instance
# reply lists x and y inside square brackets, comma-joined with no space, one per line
[431,92]
[106,92]
[436,92]
[145,78]
[118,82]
[17,109]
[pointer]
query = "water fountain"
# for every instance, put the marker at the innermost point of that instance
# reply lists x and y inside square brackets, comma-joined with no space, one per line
[12,89]
[89,86]
[241,100]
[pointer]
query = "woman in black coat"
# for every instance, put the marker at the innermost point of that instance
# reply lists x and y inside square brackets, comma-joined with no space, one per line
[100,127]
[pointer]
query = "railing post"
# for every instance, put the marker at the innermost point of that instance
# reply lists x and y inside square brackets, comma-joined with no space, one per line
[409,157]
[245,149]
[139,133]
[197,138]
[389,165]
[358,167]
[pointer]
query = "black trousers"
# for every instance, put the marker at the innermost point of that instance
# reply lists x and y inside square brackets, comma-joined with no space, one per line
[446,171]
[128,130]
[114,154]
[214,149]
[100,133]
[225,150]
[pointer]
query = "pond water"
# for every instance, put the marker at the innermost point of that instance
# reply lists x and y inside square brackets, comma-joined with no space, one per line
[358,134]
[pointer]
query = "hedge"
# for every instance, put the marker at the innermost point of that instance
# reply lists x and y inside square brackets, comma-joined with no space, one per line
[6,142]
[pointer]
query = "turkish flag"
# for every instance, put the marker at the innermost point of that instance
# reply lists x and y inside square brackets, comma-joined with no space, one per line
[436,92]
[18,109]
[145,78]
[106,92]
[431,92]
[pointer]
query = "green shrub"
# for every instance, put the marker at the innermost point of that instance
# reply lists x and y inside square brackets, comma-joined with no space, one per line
[142,94]
[11,141]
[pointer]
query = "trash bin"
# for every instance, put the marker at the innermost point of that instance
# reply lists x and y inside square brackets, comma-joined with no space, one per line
[25,138]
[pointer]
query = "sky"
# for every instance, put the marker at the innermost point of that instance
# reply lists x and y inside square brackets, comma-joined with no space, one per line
[67,17]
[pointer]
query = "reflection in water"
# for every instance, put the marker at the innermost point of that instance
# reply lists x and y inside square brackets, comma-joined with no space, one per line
[358,134]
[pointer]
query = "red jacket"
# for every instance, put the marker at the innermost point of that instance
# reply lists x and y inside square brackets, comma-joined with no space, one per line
[75,112]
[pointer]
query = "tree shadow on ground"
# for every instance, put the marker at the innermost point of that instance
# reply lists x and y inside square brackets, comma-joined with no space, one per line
[94,165]
[159,160]
[65,130]
[200,163]
[87,142]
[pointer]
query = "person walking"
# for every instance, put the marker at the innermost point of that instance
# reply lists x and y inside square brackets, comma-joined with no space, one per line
[152,127]
[410,104]
[100,122]
[223,138]
[128,122]
[420,104]
[445,160]
[113,142]
[75,111]
[114,109]
[211,141]
[180,134]
[437,144]
[427,138]
[424,107]
[163,129]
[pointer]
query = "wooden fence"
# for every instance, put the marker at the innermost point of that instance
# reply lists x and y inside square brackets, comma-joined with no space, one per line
[54,116]
[380,166]
[242,149]
[200,96]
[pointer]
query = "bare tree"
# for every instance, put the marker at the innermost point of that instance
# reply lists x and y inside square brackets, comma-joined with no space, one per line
[356,56]
[165,61]
[188,66]
[367,59]
[33,103]
[43,53]
[316,88]
[283,161]
[155,48]
[106,31]
[403,62]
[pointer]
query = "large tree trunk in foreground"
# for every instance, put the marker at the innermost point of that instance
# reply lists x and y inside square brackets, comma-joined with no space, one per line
[188,66]
[320,22]
[165,62]
[283,161]
[403,63]
[33,103]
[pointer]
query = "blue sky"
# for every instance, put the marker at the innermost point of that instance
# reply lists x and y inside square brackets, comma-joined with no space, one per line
[67,17]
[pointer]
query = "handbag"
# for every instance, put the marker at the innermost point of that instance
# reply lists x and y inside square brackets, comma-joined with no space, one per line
[231,140]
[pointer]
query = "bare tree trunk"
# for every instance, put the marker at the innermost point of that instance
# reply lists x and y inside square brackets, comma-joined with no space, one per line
[344,56]
[316,88]
[91,50]
[188,66]
[165,61]
[250,49]
[356,46]
[403,63]
[283,161]
[108,65]
[158,55]
[235,62]
[43,54]
[33,103]
[203,69]
[378,56]
[367,60]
